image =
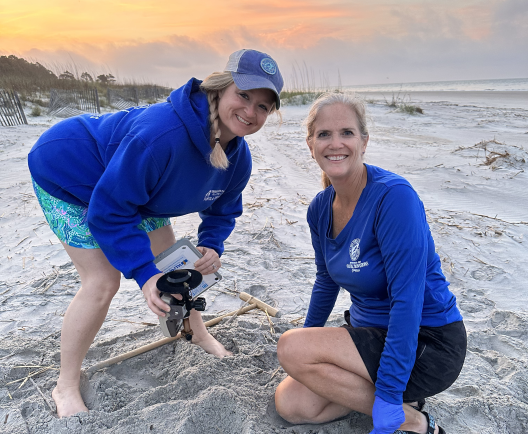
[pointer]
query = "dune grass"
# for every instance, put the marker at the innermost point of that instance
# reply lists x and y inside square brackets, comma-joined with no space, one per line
[33,81]
[400,104]
[301,86]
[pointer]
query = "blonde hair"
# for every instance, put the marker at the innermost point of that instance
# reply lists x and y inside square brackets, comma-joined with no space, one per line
[212,86]
[330,98]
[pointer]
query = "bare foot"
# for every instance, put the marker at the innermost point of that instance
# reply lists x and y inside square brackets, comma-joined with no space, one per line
[210,345]
[68,400]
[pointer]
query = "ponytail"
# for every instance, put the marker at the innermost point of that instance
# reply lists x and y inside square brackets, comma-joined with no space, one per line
[217,157]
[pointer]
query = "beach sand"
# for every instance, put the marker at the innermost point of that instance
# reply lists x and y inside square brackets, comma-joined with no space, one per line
[467,156]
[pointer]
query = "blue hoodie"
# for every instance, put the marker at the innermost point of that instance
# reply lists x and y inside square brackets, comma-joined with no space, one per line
[150,161]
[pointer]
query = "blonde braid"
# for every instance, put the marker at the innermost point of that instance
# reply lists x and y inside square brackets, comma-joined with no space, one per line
[218,157]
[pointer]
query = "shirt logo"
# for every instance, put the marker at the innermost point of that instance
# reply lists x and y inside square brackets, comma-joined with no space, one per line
[354,251]
[268,66]
[213,195]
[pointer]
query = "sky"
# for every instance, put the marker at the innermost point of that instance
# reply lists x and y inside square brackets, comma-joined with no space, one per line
[361,42]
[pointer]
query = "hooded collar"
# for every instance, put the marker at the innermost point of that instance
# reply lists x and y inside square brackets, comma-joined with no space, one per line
[191,105]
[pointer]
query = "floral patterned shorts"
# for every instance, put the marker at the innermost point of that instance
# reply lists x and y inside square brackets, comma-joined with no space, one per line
[69,221]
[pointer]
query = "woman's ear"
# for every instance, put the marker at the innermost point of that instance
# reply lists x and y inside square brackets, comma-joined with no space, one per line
[310,147]
[365,143]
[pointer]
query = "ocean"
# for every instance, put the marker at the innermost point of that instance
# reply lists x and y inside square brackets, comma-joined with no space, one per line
[509,84]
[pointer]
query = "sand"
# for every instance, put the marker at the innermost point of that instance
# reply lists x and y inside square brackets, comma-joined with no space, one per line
[467,157]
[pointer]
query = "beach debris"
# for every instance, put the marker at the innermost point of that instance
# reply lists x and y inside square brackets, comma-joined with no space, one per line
[297,321]
[21,241]
[303,199]
[246,307]
[275,372]
[263,228]
[496,155]
[272,329]
[41,394]
[42,285]
[31,374]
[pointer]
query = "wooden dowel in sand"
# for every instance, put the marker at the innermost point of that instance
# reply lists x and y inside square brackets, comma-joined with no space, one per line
[161,342]
[260,304]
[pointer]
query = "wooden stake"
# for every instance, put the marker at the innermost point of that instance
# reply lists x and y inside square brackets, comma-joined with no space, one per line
[260,304]
[153,345]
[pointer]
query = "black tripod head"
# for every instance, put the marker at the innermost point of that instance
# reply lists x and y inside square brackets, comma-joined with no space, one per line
[179,282]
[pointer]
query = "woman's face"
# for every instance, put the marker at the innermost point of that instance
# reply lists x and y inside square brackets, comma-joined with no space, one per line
[336,144]
[243,112]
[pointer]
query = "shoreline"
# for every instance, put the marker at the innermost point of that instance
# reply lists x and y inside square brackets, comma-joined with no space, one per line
[490,98]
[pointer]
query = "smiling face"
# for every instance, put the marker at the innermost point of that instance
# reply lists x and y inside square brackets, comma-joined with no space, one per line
[243,112]
[336,142]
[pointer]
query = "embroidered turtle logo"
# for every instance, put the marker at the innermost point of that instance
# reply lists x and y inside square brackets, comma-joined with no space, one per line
[353,250]
[268,66]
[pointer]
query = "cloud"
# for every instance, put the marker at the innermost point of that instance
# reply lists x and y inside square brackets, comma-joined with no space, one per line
[366,43]
[170,62]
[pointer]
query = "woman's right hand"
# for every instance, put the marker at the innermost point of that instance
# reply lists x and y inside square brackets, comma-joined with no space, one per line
[151,294]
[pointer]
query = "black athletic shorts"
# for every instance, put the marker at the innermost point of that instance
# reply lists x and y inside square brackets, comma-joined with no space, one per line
[439,356]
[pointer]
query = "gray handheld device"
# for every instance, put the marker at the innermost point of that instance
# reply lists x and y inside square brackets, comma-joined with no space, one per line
[181,256]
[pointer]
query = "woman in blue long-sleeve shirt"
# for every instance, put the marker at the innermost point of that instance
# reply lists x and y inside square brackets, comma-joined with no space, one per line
[404,339]
[108,185]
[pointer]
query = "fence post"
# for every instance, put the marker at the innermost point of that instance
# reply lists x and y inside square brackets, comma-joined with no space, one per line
[21,110]
[97,100]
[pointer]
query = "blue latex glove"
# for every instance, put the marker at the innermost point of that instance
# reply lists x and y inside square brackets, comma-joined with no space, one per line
[387,417]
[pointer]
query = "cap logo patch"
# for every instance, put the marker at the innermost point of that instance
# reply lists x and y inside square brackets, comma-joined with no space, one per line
[268,66]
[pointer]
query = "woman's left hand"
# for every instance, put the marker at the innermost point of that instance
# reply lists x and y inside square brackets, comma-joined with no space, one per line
[209,263]
[386,417]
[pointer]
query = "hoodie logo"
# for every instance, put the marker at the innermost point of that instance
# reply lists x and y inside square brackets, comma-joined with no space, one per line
[354,252]
[213,195]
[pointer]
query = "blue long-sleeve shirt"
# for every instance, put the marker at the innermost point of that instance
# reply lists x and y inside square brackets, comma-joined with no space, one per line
[150,161]
[385,258]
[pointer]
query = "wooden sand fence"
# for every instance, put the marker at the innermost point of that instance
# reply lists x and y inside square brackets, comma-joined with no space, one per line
[127,97]
[153,92]
[66,103]
[11,111]
[123,98]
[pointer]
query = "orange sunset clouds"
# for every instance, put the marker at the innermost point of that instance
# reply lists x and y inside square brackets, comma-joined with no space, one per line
[167,41]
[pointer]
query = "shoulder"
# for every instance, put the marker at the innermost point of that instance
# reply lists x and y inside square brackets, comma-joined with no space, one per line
[386,184]
[396,201]
[319,204]
[161,132]
[385,178]
[156,121]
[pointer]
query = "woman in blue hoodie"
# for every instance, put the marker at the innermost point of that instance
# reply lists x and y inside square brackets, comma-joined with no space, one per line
[108,185]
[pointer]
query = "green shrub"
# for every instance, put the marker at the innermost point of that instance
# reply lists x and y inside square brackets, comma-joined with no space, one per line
[410,109]
[399,104]
[36,111]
